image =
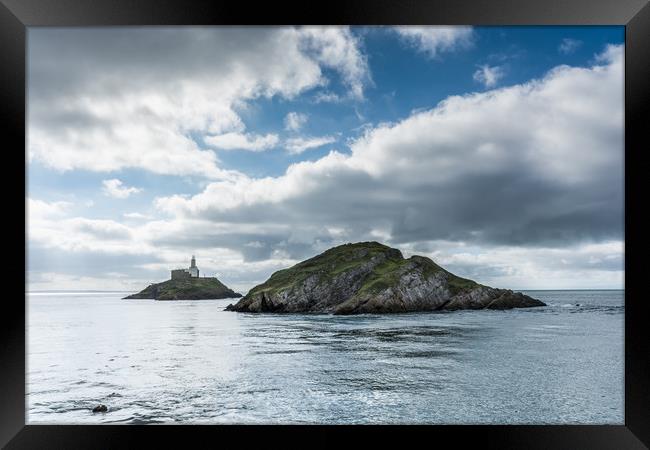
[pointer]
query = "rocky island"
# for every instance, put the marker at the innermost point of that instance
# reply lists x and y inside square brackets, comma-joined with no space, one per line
[369,277]
[186,289]
[185,284]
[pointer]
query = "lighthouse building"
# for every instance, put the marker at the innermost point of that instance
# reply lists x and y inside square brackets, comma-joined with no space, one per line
[191,272]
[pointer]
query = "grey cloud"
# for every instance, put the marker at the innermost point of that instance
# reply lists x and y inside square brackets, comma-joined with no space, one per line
[546,172]
[532,165]
[252,245]
[91,59]
[511,207]
[102,229]
[87,263]
[129,94]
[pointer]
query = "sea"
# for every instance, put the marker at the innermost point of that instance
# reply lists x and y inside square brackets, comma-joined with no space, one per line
[191,362]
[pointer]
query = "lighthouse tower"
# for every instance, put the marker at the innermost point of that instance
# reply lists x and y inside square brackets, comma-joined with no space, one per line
[193,270]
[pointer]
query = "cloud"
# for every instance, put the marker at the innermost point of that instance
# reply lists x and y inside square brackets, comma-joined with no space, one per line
[239,141]
[38,209]
[338,49]
[101,229]
[294,121]
[433,40]
[48,281]
[51,226]
[611,55]
[86,251]
[298,145]
[137,215]
[114,188]
[581,266]
[569,46]
[489,76]
[519,187]
[117,98]
[327,97]
[538,163]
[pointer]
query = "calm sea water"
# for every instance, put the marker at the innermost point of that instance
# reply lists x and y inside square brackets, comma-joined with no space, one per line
[192,362]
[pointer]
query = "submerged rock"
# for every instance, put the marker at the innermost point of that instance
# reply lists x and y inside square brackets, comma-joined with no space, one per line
[369,277]
[186,289]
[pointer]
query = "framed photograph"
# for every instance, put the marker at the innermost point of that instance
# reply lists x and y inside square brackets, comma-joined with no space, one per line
[374,218]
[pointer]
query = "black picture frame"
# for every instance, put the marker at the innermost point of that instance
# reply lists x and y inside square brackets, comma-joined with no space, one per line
[17,15]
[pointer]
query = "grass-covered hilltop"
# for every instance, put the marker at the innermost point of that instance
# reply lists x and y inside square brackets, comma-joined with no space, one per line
[369,277]
[186,289]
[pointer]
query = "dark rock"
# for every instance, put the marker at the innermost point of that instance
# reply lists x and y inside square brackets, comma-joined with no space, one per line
[369,277]
[100,408]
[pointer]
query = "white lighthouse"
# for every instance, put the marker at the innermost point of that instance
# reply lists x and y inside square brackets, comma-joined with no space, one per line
[193,270]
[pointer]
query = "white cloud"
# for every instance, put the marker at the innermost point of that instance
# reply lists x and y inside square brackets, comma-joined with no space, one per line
[489,76]
[581,266]
[87,253]
[115,188]
[569,46]
[50,226]
[98,228]
[516,187]
[300,144]
[239,141]
[611,55]
[39,209]
[327,97]
[137,215]
[433,40]
[337,48]
[47,281]
[106,100]
[294,121]
[546,157]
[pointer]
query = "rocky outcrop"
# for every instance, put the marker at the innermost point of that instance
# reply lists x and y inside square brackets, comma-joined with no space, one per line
[369,277]
[186,289]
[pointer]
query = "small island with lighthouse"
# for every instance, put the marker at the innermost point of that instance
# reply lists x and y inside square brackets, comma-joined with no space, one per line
[186,284]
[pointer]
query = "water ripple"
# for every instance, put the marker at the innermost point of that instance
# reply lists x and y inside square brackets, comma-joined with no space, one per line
[184,362]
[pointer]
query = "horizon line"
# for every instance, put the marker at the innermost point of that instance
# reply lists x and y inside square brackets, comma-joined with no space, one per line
[118,291]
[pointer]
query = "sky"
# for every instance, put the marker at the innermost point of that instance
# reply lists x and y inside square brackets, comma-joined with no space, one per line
[495,151]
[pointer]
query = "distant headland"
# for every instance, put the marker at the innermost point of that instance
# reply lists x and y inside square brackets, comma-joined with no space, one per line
[369,277]
[185,284]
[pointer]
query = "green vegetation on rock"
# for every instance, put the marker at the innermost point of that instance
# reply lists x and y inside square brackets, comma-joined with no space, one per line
[458,285]
[186,289]
[372,277]
[328,264]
